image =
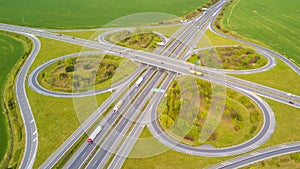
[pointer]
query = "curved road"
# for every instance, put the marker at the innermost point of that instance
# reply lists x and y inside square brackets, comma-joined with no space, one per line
[263,135]
[271,62]
[28,118]
[34,84]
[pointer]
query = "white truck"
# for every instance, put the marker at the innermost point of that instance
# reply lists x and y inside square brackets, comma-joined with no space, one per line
[118,106]
[94,134]
[139,81]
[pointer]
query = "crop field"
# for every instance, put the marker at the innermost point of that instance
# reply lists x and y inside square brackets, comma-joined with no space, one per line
[88,13]
[11,50]
[274,23]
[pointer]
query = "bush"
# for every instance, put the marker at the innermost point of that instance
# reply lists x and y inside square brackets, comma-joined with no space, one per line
[70,68]
[254,117]
[63,75]
[253,129]
[296,157]
[87,66]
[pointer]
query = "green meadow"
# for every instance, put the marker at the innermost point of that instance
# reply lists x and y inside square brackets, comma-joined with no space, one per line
[11,50]
[88,13]
[274,23]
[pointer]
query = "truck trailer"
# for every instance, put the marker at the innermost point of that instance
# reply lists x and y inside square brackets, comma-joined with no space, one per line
[139,81]
[94,134]
[118,106]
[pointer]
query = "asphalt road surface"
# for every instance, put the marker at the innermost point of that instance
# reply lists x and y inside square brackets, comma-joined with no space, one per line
[25,109]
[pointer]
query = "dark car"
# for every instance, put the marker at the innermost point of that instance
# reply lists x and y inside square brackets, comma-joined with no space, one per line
[291,102]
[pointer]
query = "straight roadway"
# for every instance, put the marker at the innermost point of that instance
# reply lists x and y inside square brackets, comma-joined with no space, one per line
[125,148]
[56,156]
[81,155]
[183,40]
[75,160]
[108,147]
[152,59]
[258,156]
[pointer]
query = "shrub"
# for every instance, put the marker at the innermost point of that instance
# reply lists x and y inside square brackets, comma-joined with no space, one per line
[296,157]
[63,75]
[70,68]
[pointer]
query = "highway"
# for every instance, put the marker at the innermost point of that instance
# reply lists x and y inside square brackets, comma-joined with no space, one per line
[152,59]
[74,160]
[170,64]
[184,71]
[54,158]
[129,142]
[114,139]
[180,45]
[258,156]
[122,153]
[28,118]
[101,157]
[108,122]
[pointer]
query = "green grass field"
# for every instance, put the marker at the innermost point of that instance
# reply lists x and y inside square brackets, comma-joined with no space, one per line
[275,23]
[286,79]
[211,39]
[11,50]
[89,13]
